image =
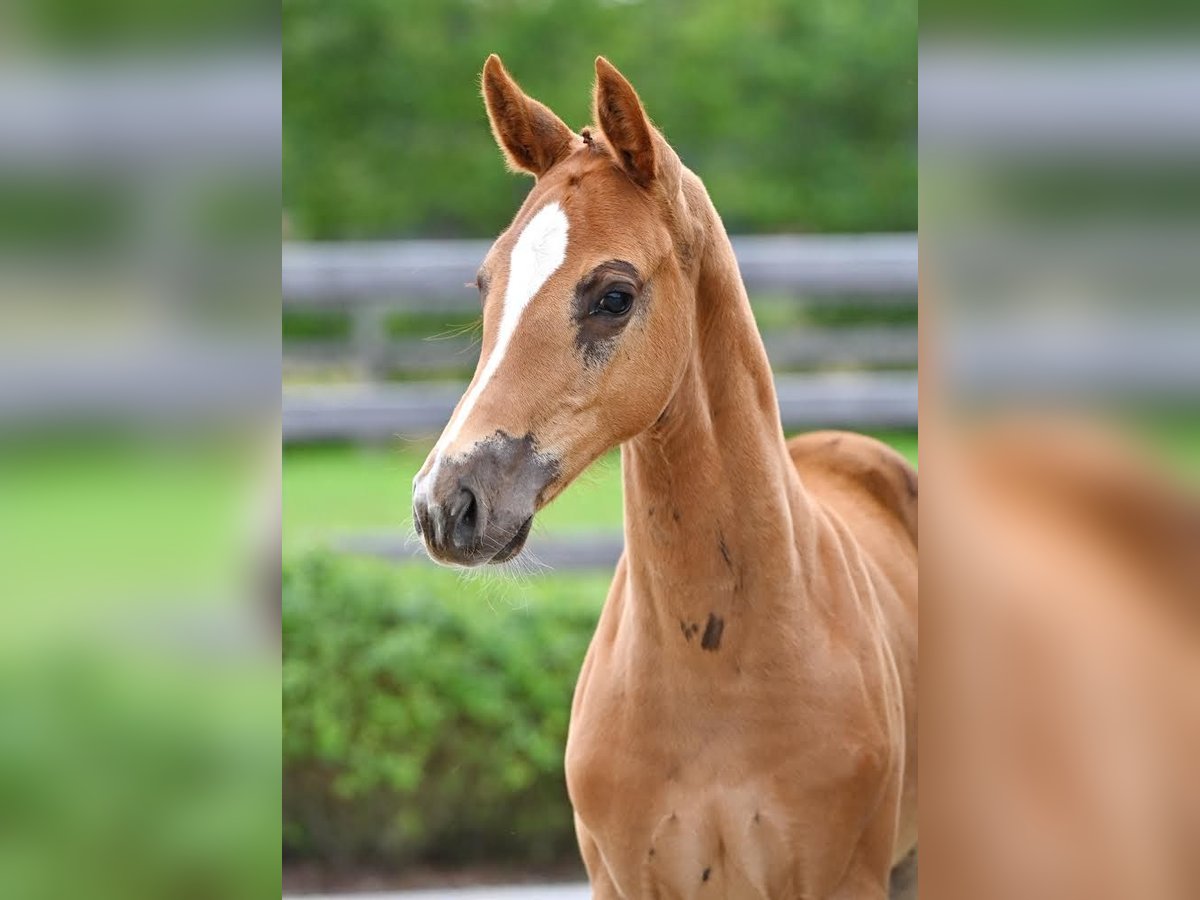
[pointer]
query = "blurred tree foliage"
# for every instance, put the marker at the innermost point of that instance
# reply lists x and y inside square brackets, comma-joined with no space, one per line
[137,26]
[800,115]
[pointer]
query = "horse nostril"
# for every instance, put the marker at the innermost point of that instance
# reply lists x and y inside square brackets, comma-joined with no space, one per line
[464,519]
[421,518]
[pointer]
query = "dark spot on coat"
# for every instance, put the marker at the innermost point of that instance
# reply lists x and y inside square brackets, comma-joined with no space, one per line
[704,875]
[689,629]
[757,818]
[651,853]
[725,552]
[711,639]
[675,515]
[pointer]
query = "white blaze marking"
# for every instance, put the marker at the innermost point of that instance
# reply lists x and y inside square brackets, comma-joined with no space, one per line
[539,251]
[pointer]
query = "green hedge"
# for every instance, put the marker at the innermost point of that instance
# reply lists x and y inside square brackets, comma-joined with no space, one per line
[425,719]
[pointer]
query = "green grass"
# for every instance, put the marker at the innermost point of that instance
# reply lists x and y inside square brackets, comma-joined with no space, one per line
[93,525]
[338,489]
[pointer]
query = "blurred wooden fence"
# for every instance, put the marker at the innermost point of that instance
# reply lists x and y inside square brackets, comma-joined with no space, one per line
[861,375]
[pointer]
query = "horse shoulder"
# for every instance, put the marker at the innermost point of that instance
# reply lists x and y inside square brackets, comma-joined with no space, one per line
[843,469]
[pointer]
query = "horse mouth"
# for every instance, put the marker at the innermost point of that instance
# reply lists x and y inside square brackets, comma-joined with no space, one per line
[513,547]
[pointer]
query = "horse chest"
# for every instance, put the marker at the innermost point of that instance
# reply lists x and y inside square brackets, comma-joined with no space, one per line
[687,839]
[687,789]
[715,811]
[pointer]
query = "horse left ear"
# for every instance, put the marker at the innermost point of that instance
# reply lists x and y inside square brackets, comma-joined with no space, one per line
[620,115]
[532,137]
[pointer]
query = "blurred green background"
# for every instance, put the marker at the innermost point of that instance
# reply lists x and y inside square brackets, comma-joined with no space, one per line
[139,664]
[800,115]
[425,711]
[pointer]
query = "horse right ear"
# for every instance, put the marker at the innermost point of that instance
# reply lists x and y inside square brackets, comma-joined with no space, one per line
[619,113]
[531,137]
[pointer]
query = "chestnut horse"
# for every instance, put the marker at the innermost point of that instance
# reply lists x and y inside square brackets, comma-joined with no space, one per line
[745,721]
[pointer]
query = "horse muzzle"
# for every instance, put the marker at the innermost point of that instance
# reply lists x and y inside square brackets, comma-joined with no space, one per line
[477,506]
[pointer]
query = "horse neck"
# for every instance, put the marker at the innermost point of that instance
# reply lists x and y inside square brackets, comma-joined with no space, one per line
[713,504]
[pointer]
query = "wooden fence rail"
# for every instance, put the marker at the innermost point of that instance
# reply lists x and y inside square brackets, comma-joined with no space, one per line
[373,280]
[411,274]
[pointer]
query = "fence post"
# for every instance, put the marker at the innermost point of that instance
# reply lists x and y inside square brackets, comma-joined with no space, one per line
[370,339]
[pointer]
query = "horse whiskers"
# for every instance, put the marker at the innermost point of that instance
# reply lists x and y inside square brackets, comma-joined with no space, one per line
[474,327]
[521,569]
[411,538]
[499,583]
[408,442]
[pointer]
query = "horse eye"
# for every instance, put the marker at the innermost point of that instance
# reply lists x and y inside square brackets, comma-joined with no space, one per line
[615,303]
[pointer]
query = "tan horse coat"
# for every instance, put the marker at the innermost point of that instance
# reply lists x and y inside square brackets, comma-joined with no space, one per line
[745,721]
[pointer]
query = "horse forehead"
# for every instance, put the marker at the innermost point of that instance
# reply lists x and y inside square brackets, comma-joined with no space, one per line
[540,229]
[606,217]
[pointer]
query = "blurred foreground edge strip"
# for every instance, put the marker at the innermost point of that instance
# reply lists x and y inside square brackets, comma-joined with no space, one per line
[1061,672]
